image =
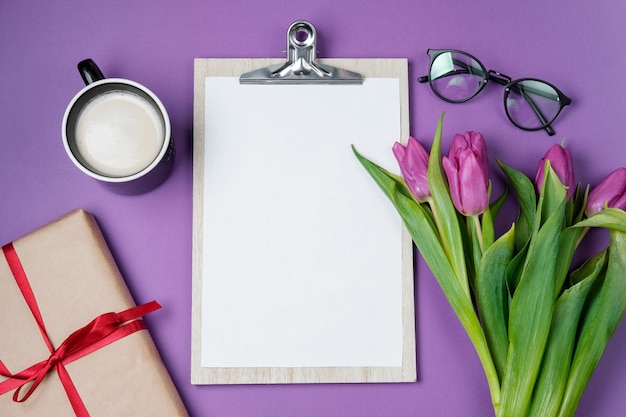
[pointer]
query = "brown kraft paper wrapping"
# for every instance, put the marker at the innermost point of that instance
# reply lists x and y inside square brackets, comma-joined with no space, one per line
[75,279]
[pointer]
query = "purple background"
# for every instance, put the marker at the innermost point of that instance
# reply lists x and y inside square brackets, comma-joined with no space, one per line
[576,44]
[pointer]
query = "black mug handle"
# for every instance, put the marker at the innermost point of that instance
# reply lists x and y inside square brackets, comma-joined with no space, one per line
[89,71]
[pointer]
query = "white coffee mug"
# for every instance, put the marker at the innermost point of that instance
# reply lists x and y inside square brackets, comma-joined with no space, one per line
[118,132]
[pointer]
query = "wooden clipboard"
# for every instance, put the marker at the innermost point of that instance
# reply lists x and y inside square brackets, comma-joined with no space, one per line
[249,372]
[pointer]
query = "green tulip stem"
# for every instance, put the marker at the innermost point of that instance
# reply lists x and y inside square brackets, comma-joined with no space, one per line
[479,232]
[477,336]
[437,219]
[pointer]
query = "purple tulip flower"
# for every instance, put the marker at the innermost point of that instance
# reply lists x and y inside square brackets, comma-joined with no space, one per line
[467,169]
[561,162]
[413,162]
[611,192]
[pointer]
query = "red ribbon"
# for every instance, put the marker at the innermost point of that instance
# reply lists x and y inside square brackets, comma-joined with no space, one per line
[103,330]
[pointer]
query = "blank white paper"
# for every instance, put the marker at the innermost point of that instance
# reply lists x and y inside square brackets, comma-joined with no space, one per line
[301,251]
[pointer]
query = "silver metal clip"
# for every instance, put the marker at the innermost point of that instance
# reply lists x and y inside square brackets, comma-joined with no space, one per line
[301,66]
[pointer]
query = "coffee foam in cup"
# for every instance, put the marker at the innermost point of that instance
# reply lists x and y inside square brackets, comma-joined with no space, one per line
[119,133]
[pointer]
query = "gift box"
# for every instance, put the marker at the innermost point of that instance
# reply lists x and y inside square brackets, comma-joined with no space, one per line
[72,341]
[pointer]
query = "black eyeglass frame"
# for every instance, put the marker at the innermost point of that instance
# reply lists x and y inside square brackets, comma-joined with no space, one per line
[509,85]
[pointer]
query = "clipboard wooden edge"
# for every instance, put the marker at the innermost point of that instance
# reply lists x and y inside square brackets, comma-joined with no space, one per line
[369,67]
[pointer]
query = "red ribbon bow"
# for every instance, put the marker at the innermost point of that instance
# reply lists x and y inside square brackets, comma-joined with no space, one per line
[103,330]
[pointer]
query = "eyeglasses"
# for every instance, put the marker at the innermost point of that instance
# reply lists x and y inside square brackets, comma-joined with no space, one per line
[530,104]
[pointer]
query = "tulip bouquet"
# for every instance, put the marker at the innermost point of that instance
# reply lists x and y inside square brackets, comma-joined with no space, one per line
[538,324]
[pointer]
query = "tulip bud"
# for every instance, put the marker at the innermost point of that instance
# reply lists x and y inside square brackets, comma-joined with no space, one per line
[561,162]
[413,162]
[467,171]
[611,192]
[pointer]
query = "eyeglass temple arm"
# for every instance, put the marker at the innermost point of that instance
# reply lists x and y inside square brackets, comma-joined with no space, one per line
[536,109]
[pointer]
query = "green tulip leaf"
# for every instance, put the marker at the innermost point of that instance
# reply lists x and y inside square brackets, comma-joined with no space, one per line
[556,363]
[525,192]
[603,314]
[491,296]
[568,242]
[610,218]
[387,181]
[427,241]
[551,197]
[531,307]
[446,212]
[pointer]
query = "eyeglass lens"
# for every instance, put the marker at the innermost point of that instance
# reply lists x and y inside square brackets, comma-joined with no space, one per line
[532,104]
[456,77]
